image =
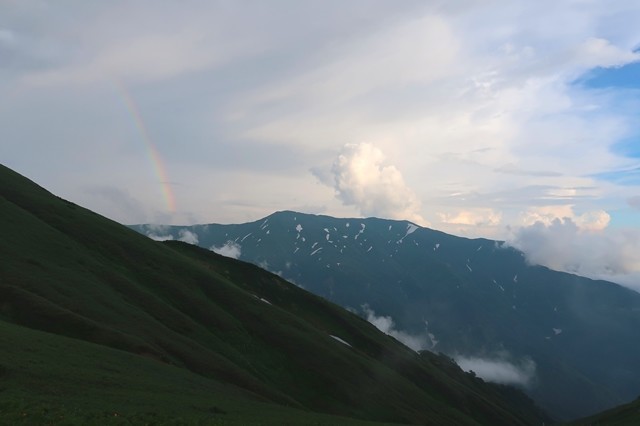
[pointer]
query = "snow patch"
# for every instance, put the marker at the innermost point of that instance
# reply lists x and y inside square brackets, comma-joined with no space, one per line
[339,339]
[315,251]
[299,228]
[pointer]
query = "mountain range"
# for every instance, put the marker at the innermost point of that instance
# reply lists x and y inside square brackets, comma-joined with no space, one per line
[101,325]
[569,342]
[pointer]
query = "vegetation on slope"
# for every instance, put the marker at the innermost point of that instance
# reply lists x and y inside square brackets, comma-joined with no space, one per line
[240,334]
[480,298]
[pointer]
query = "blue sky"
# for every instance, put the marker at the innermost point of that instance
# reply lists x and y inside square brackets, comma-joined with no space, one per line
[476,118]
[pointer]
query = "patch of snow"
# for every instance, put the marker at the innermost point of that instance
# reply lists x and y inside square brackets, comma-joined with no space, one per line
[557,331]
[411,228]
[298,227]
[437,246]
[243,238]
[327,237]
[304,239]
[296,250]
[479,248]
[369,249]
[265,301]
[501,288]
[347,225]
[469,268]
[326,230]
[314,244]
[389,228]
[340,340]
[268,231]
[315,251]
[515,278]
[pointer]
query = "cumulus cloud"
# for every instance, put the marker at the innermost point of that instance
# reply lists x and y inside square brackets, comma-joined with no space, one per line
[362,179]
[500,369]
[477,217]
[563,245]
[417,342]
[230,249]
[188,237]
[591,220]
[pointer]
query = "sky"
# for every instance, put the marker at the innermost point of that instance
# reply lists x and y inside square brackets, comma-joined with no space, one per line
[506,119]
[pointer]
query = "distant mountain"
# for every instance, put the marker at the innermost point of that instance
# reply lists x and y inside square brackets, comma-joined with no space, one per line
[571,341]
[624,415]
[100,325]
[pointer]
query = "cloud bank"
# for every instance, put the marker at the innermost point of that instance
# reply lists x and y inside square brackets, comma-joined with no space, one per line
[230,249]
[499,369]
[417,342]
[188,237]
[563,245]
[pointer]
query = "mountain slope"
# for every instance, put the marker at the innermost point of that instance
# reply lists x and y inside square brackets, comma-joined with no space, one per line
[624,415]
[472,298]
[244,336]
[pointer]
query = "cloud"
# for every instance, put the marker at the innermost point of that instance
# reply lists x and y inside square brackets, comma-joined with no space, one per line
[386,325]
[230,249]
[188,236]
[156,237]
[362,179]
[478,217]
[564,246]
[591,220]
[634,202]
[499,369]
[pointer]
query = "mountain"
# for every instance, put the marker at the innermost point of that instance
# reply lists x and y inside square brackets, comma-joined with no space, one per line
[101,325]
[624,415]
[571,342]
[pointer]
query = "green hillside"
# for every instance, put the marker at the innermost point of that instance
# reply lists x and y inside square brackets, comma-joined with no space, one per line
[624,415]
[130,326]
[474,298]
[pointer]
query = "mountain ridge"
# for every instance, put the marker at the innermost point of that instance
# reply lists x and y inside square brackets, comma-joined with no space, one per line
[249,341]
[477,297]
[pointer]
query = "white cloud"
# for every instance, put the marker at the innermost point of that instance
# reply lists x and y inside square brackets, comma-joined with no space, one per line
[157,237]
[417,342]
[188,236]
[362,179]
[477,217]
[477,107]
[547,215]
[563,245]
[230,249]
[499,369]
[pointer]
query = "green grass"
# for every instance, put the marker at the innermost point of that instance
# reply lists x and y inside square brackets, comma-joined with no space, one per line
[163,333]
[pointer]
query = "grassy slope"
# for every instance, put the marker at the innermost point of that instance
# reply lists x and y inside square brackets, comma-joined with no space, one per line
[68,271]
[624,415]
[51,379]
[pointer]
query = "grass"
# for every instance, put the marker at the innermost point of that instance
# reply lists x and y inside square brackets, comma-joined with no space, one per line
[103,325]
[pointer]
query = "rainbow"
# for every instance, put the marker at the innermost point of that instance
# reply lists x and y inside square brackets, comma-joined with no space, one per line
[154,154]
